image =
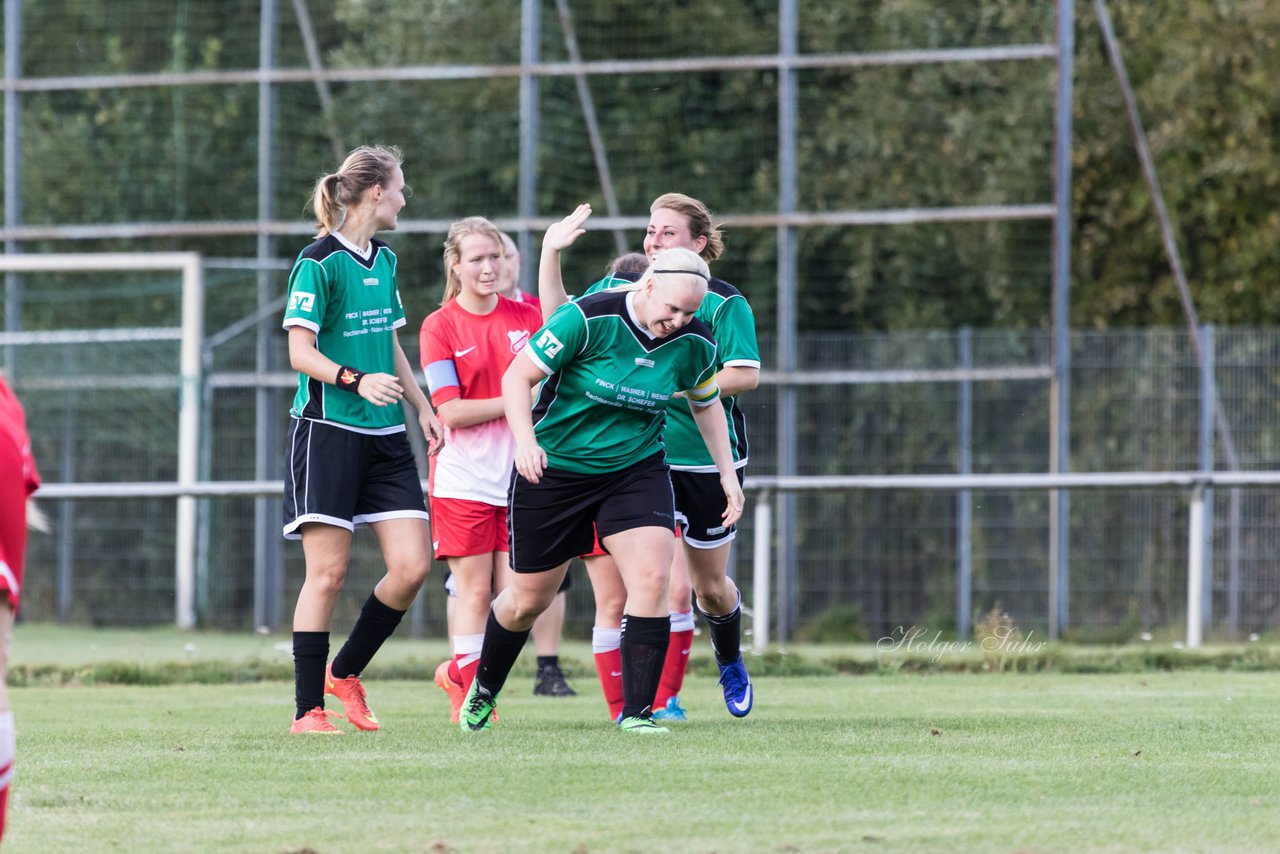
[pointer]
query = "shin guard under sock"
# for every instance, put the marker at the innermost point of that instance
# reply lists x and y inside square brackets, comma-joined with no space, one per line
[677,662]
[644,648]
[498,654]
[605,646]
[726,633]
[310,652]
[374,625]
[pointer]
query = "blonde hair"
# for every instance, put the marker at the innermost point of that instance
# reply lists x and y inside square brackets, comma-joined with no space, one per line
[698,218]
[508,245]
[461,229]
[510,272]
[365,167]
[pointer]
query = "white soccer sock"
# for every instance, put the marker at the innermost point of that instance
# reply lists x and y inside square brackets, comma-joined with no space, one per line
[681,621]
[466,648]
[605,639]
[8,746]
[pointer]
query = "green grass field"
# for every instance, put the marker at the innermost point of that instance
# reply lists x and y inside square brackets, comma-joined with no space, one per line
[1159,761]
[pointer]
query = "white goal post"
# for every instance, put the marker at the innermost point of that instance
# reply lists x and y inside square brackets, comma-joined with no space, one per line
[190,333]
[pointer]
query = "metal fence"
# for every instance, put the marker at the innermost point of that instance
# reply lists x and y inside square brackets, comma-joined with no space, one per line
[839,143]
[969,402]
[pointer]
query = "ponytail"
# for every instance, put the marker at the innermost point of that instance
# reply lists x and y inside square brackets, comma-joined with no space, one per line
[365,167]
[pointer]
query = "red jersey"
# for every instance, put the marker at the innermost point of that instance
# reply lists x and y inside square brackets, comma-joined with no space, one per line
[13,429]
[464,355]
[18,479]
[528,299]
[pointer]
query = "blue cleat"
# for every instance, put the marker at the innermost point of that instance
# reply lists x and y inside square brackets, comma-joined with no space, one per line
[672,711]
[737,688]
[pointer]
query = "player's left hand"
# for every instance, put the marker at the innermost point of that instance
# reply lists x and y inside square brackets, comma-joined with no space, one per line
[380,389]
[734,497]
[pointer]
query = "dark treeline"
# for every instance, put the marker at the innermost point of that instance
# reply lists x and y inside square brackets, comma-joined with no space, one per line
[934,135]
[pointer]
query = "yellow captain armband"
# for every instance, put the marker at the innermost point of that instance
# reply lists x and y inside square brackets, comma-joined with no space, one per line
[704,394]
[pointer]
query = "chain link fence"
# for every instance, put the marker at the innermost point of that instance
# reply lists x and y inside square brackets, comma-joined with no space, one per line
[905,403]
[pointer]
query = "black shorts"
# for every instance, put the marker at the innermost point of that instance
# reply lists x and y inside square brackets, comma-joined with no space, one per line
[344,478]
[451,586]
[551,521]
[700,502]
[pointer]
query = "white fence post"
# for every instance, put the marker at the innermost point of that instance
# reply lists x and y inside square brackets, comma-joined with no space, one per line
[761,576]
[188,440]
[1195,569]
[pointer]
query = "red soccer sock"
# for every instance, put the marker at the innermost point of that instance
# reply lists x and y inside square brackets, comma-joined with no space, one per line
[466,669]
[609,668]
[466,659]
[7,749]
[674,667]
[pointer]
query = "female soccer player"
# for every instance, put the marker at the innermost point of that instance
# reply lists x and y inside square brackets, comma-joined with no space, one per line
[701,564]
[351,460]
[591,452]
[466,346]
[18,479]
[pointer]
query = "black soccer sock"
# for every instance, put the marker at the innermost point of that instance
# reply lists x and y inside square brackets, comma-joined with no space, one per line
[545,661]
[374,625]
[644,649]
[498,654]
[726,632]
[310,652]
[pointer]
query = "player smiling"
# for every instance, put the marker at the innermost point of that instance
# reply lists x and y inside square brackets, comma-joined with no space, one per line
[589,455]
[465,346]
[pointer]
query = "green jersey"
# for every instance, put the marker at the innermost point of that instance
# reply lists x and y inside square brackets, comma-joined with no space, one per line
[609,382]
[725,311]
[353,306]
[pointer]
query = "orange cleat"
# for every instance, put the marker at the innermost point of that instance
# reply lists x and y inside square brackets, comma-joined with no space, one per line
[351,693]
[316,722]
[452,689]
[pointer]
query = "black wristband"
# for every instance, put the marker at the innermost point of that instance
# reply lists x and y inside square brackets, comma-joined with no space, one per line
[349,379]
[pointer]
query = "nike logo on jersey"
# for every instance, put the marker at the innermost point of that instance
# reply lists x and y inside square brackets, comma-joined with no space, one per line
[458,354]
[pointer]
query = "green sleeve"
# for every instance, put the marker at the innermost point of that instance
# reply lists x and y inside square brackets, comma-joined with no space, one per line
[564,336]
[308,296]
[735,329]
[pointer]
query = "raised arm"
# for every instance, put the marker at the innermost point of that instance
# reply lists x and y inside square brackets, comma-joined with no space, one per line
[559,236]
